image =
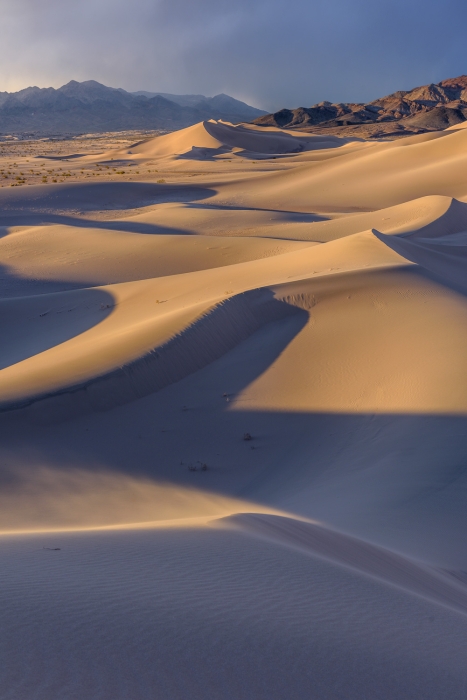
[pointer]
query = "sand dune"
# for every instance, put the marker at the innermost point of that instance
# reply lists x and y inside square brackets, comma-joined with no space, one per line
[256,620]
[108,328]
[72,256]
[46,500]
[233,420]
[209,136]
[405,171]
[349,552]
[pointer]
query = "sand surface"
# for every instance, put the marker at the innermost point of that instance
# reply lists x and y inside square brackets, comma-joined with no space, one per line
[233,417]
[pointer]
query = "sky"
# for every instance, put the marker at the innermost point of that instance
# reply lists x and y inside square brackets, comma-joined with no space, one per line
[270,53]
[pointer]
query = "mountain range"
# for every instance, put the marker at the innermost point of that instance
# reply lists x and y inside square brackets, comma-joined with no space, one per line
[403,113]
[92,107]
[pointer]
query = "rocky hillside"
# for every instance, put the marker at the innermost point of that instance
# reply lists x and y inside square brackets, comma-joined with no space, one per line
[92,107]
[427,108]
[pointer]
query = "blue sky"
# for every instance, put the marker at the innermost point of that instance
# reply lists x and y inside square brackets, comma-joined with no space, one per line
[270,53]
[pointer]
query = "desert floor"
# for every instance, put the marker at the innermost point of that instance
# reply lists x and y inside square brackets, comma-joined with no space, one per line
[233,417]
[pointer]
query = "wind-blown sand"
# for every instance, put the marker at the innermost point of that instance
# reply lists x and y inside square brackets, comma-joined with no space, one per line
[233,419]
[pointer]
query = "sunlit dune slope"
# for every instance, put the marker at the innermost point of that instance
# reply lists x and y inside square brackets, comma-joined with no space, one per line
[374,178]
[78,256]
[211,136]
[432,215]
[67,339]
[364,349]
[47,500]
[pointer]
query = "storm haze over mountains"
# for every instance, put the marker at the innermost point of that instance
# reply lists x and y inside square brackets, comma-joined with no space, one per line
[264,52]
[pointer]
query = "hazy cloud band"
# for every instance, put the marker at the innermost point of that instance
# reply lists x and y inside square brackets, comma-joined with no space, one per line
[268,52]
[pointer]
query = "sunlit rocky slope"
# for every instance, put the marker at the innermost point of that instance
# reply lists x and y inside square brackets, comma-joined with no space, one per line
[404,113]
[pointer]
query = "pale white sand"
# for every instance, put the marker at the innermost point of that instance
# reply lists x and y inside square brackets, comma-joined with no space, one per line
[309,292]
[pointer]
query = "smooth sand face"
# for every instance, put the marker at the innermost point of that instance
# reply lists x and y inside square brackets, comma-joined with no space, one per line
[233,416]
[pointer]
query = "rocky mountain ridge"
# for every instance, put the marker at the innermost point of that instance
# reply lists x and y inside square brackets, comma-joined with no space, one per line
[403,113]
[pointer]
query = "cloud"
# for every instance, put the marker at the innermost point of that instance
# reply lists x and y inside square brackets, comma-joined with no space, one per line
[268,52]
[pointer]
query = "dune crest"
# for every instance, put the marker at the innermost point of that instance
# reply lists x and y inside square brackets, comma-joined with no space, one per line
[73,500]
[216,137]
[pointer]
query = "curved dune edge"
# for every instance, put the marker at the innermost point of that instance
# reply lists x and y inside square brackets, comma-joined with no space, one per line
[381,176]
[217,331]
[445,257]
[66,501]
[213,330]
[44,499]
[46,256]
[119,356]
[303,534]
[318,540]
[217,137]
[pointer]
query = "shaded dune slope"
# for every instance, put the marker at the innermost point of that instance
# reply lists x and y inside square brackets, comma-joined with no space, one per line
[385,565]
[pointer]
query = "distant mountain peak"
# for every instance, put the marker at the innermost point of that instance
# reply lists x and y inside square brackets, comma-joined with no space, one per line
[222,102]
[78,107]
